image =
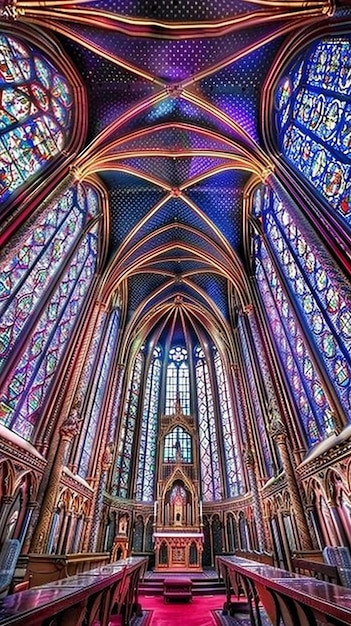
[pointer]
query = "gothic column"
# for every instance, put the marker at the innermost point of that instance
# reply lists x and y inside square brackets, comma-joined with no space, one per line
[6,503]
[27,530]
[251,463]
[279,434]
[67,432]
[106,463]
[256,503]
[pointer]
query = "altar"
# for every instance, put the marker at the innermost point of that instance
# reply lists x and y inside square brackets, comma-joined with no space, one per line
[178,551]
[178,528]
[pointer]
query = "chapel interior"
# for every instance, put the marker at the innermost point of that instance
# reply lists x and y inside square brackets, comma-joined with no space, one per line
[175,295]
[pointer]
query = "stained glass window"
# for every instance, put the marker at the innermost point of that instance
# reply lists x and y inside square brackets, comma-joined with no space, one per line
[84,381]
[177,386]
[30,267]
[149,430]
[123,466]
[97,392]
[310,285]
[232,453]
[313,117]
[211,484]
[28,382]
[177,446]
[35,113]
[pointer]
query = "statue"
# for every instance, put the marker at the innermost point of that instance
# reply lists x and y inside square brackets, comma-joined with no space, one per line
[178,451]
[107,456]
[71,425]
[276,424]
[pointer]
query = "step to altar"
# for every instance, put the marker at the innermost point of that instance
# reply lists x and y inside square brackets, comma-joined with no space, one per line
[203,584]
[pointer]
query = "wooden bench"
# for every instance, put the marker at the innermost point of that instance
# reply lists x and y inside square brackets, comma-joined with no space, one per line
[45,568]
[322,571]
[177,588]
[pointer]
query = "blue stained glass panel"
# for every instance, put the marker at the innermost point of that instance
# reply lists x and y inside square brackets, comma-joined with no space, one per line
[232,451]
[318,293]
[302,376]
[97,392]
[313,115]
[121,473]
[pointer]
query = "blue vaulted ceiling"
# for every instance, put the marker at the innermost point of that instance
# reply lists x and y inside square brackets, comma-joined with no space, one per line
[176,88]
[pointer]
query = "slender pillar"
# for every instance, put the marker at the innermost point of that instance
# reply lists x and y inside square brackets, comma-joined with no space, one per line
[106,463]
[251,463]
[28,528]
[259,522]
[4,509]
[68,431]
[279,434]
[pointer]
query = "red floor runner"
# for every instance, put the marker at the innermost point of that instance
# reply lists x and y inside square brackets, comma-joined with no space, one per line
[194,613]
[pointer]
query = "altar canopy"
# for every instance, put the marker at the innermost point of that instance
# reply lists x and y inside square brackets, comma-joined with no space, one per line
[178,536]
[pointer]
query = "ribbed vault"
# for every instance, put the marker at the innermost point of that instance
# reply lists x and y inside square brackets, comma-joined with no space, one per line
[174,109]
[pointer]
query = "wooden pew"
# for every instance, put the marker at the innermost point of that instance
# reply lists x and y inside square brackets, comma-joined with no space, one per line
[255,555]
[87,599]
[322,571]
[45,568]
[295,599]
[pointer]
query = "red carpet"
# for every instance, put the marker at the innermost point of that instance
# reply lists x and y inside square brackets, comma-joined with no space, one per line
[194,613]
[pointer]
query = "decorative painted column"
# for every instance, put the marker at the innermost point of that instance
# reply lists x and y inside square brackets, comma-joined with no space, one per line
[250,464]
[69,429]
[106,463]
[279,434]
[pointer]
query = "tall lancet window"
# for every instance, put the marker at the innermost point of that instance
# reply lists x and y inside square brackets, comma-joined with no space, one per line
[47,275]
[313,113]
[211,485]
[98,390]
[126,434]
[145,481]
[232,452]
[321,307]
[177,385]
[32,264]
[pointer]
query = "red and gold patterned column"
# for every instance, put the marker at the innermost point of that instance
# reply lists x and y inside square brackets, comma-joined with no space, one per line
[280,436]
[69,429]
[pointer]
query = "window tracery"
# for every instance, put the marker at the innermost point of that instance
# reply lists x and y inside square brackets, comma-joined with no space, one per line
[28,382]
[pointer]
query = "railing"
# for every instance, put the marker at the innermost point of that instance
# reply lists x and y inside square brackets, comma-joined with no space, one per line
[187,468]
[82,600]
[287,597]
